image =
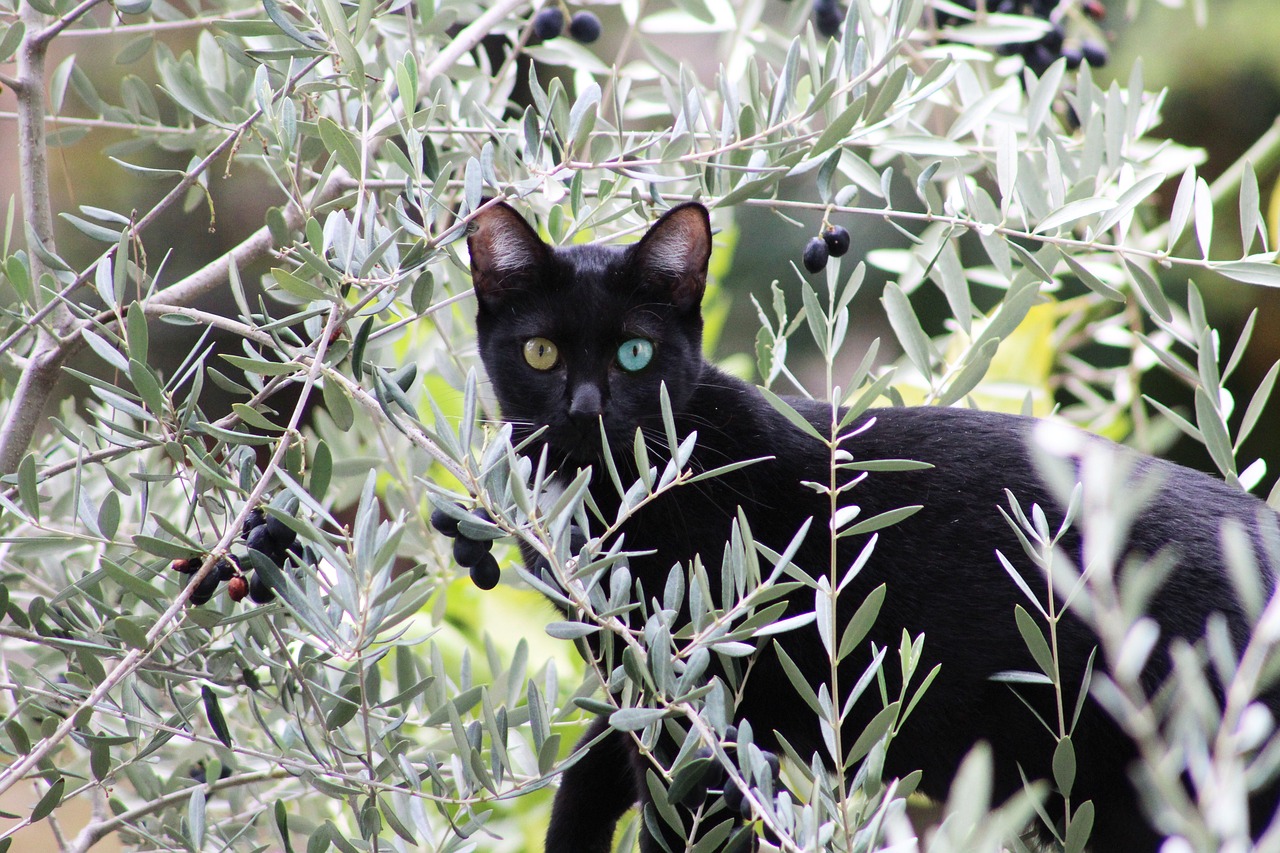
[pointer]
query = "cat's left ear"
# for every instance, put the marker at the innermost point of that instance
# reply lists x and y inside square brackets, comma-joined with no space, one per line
[675,252]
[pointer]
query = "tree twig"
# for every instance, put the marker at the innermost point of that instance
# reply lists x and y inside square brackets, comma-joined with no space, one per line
[26,407]
[48,34]
[100,829]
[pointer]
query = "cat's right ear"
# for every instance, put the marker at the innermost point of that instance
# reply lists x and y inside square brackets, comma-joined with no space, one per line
[506,253]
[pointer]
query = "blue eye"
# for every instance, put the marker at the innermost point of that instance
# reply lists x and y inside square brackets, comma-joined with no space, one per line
[635,355]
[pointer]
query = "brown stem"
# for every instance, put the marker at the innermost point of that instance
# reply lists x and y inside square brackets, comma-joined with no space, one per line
[26,408]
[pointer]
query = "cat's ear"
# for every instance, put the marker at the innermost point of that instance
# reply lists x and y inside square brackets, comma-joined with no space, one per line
[506,252]
[675,252]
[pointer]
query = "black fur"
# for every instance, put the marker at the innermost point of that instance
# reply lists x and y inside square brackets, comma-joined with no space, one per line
[943,579]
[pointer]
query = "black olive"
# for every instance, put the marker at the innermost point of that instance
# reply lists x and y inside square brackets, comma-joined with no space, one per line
[837,239]
[259,592]
[548,23]
[815,255]
[585,27]
[445,523]
[469,552]
[486,574]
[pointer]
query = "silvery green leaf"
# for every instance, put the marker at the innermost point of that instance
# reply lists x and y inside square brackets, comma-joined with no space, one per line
[879,726]
[1000,29]
[473,185]
[976,363]
[1033,637]
[570,630]
[824,614]
[799,681]
[1242,343]
[1136,648]
[1203,216]
[1176,419]
[1251,272]
[1017,676]
[281,20]
[907,328]
[882,520]
[11,39]
[1250,211]
[785,87]
[1150,290]
[1072,212]
[857,628]
[1091,281]
[786,410]
[1257,405]
[106,351]
[635,719]
[1043,96]
[1214,432]
[1181,211]
[195,817]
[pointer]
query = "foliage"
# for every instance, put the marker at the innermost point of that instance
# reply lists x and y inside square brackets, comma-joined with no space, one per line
[380,702]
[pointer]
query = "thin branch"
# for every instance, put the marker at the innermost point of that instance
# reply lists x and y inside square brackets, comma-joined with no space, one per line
[100,829]
[163,26]
[51,32]
[470,36]
[93,648]
[104,124]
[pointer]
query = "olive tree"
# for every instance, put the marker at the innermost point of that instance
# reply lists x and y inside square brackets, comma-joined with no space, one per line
[319,370]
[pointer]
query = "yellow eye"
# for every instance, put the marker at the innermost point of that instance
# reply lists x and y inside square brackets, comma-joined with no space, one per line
[541,353]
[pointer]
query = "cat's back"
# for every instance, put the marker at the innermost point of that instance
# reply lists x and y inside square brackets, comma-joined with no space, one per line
[975,459]
[977,451]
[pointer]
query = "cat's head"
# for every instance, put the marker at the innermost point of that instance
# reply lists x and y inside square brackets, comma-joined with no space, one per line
[572,335]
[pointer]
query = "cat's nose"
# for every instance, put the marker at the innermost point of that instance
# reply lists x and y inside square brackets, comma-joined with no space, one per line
[586,403]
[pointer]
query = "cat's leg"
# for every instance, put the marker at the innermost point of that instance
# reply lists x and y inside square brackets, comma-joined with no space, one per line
[656,836]
[698,809]
[594,794]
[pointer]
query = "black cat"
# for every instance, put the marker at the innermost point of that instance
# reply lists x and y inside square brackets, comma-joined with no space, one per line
[577,336]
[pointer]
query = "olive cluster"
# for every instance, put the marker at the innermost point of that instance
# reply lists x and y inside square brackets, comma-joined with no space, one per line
[227,568]
[584,26]
[260,532]
[832,242]
[474,553]
[271,538]
[1039,55]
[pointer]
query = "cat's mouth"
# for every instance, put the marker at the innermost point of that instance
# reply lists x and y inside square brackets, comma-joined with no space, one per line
[580,442]
[584,442]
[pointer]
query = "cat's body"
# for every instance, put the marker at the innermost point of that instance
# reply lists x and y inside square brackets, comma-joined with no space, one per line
[939,566]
